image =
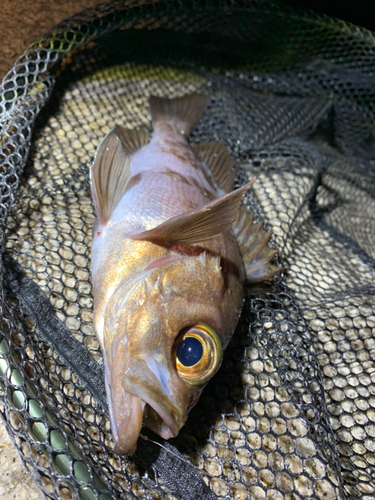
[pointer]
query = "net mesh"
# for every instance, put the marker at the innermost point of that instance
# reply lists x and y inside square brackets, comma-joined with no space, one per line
[291,413]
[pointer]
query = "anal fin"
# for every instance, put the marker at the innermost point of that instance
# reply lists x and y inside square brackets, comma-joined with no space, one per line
[256,255]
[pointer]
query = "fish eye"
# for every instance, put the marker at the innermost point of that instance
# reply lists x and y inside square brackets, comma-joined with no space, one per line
[189,351]
[197,353]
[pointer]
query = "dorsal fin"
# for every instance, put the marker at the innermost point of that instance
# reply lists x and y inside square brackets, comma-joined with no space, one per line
[253,242]
[200,224]
[219,161]
[184,112]
[110,172]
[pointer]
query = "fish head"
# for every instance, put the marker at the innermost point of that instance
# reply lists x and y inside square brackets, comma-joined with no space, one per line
[164,334]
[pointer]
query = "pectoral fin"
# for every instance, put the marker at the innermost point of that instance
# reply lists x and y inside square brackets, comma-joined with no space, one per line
[253,243]
[200,224]
[110,172]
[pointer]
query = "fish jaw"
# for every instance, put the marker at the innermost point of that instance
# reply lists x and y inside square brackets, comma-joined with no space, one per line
[154,384]
[126,416]
[142,397]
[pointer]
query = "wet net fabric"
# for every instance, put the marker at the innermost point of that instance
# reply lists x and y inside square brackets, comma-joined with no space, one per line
[291,412]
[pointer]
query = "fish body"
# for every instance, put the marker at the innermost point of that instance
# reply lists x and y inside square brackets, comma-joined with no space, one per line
[167,267]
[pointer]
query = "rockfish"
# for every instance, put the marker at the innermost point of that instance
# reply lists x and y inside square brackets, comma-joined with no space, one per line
[170,255]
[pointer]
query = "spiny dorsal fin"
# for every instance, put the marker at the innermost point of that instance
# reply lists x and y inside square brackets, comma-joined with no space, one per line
[184,112]
[200,224]
[253,245]
[218,159]
[110,172]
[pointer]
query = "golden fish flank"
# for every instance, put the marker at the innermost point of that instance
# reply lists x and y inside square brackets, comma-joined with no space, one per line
[170,255]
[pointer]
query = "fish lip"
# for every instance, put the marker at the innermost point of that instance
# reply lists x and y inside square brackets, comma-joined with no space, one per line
[157,392]
[125,442]
[164,410]
[130,421]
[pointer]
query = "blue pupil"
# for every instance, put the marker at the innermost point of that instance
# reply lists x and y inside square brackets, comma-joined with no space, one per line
[189,351]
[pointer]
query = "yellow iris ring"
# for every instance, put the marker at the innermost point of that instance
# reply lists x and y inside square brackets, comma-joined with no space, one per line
[210,361]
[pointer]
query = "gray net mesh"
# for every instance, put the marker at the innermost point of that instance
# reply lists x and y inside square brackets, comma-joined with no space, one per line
[291,412]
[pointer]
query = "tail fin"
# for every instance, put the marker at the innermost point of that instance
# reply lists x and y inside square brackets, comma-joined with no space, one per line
[183,111]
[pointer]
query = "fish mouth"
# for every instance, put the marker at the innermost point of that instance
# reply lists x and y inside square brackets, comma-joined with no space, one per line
[134,404]
[126,430]
[156,418]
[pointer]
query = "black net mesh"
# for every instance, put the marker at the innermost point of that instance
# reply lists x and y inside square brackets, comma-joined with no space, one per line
[291,413]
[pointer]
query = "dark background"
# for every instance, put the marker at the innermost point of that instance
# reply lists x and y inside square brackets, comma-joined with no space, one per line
[23,21]
[360,12]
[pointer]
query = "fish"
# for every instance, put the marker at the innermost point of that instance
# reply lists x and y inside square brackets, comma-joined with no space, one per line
[173,247]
